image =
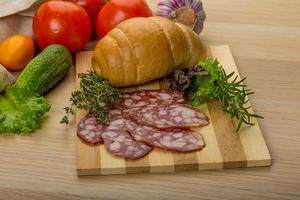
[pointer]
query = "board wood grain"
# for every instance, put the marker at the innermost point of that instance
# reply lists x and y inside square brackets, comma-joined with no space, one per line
[225,148]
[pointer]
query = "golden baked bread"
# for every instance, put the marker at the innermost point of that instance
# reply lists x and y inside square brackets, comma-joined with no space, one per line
[142,49]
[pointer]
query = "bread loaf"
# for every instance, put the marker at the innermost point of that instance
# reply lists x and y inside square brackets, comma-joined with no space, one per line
[143,49]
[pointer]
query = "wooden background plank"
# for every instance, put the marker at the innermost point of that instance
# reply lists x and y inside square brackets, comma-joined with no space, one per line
[266,51]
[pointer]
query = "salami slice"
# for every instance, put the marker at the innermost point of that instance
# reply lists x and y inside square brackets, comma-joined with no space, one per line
[167,116]
[146,97]
[120,143]
[180,140]
[89,130]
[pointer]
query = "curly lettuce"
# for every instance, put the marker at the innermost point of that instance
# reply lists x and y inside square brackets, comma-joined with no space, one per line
[21,111]
[199,82]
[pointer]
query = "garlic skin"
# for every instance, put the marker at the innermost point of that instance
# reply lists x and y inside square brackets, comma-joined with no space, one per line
[3,79]
[188,12]
[6,78]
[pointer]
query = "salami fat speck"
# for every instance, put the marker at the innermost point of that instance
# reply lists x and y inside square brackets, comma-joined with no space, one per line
[180,140]
[166,116]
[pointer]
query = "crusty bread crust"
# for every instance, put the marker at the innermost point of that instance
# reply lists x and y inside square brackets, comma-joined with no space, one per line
[143,49]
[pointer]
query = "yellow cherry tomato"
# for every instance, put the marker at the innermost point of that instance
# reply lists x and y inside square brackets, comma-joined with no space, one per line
[16,52]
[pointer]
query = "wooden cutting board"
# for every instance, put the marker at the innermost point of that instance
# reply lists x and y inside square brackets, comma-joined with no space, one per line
[224,147]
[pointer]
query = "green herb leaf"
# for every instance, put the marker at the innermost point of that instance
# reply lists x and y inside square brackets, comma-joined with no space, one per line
[199,87]
[95,95]
[21,111]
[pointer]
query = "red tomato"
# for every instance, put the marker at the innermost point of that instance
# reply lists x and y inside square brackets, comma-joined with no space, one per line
[60,22]
[117,11]
[92,7]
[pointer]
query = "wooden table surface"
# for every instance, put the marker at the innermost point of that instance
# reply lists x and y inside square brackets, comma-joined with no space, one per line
[264,36]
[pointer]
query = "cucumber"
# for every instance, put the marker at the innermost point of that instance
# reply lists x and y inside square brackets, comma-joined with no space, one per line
[45,70]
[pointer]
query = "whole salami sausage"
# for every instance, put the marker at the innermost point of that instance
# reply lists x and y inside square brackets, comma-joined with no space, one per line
[180,140]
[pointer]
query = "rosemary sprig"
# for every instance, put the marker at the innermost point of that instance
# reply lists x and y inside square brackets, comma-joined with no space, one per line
[95,95]
[233,95]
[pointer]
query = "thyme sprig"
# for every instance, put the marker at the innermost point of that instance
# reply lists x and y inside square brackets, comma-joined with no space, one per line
[95,95]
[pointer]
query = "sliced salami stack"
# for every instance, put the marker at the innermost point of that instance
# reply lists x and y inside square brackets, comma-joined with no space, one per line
[143,120]
[114,136]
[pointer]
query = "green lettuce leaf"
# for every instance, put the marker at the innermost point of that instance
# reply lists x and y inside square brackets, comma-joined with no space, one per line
[205,87]
[21,111]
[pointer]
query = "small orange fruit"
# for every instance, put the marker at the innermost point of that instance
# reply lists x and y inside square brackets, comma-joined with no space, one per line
[16,52]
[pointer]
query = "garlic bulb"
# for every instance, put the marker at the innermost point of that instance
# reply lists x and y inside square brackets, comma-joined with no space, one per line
[188,12]
[6,78]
